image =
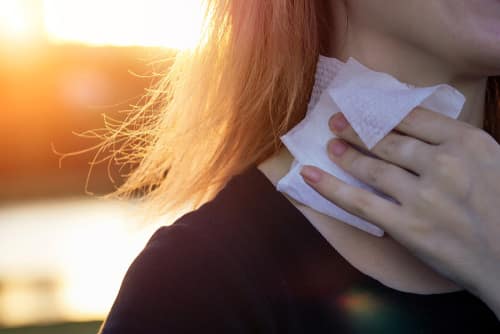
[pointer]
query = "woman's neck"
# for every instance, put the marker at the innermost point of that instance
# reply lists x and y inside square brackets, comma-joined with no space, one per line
[406,62]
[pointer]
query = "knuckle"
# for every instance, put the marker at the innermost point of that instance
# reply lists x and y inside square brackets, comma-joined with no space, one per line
[454,173]
[420,228]
[427,196]
[375,172]
[361,206]
[396,145]
[388,145]
[356,163]
[477,142]
[408,148]
[473,138]
[445,163]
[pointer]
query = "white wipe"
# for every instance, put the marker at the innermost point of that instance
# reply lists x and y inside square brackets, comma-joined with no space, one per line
[374,103]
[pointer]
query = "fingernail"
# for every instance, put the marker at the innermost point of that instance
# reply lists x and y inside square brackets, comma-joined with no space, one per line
[338,122]
[337,147]
[310,173]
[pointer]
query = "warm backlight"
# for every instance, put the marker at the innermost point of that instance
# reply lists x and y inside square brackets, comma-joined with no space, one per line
[166,23]
[18,19]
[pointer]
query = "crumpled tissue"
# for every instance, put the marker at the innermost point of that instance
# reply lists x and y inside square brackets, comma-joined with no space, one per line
[374,103]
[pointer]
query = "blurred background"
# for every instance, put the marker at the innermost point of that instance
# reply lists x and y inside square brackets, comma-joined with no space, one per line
[64,66]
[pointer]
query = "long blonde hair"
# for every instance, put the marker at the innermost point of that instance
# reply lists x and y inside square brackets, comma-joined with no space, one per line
[222,106]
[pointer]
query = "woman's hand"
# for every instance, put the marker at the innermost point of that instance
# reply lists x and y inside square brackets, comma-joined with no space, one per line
[445,174]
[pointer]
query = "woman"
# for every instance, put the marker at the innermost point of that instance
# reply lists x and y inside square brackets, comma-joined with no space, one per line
[250,259]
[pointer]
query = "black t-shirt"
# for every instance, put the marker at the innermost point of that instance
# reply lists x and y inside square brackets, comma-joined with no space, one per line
[249,262]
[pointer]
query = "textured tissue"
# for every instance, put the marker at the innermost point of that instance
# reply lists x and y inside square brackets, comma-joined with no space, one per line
[374,103]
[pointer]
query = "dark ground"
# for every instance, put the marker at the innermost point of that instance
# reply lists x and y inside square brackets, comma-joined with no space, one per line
[65,328]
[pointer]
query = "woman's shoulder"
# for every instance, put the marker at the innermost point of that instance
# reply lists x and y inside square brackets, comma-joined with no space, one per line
[206,270]
[181,283]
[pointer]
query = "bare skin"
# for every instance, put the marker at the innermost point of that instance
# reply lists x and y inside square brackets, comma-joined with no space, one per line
[438,51]
[384,259]
[445,175]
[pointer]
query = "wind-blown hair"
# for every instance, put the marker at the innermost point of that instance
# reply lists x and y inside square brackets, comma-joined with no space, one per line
[223,105]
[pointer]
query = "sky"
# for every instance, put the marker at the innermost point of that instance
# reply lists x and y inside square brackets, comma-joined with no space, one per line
[167,23]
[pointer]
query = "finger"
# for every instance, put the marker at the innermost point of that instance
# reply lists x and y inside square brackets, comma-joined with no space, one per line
[357,201]
[430,126]
[407,152]
[386,177]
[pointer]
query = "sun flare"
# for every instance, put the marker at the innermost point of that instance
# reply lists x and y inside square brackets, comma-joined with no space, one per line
[17,19]
[165,23]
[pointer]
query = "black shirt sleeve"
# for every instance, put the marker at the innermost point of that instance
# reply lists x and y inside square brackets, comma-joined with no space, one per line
[183,283]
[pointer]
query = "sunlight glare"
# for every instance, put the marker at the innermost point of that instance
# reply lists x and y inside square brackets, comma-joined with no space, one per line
[166,23]
[87,245]
[16,20]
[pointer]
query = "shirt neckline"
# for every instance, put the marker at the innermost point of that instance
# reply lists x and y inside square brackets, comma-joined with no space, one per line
[256,176]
